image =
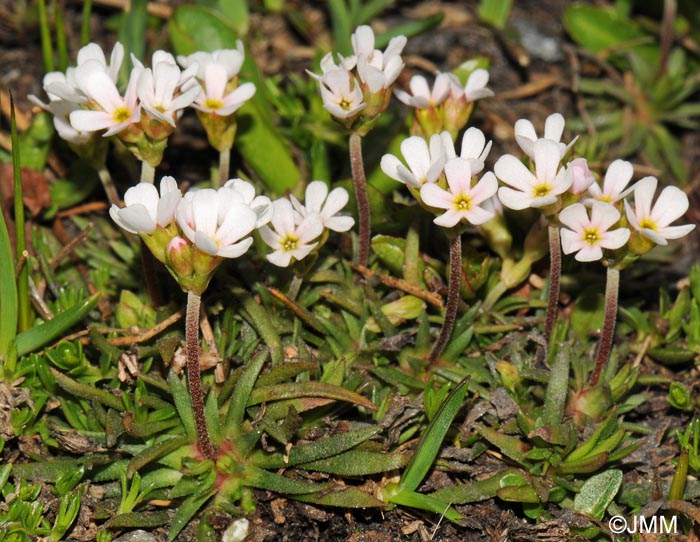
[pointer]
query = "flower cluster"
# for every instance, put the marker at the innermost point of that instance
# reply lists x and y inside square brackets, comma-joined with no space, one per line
[191,234]
[358,88]
[448,105]
[86,100]
[596,221]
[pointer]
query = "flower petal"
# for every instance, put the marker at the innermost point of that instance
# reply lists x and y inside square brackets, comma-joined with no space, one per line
[513,172]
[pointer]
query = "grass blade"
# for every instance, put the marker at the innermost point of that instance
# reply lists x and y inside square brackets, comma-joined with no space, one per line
[430,443]
[23,306]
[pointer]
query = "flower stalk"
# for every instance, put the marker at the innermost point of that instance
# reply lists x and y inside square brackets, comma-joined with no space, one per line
[554,281]
[148,172]
[194,374]
[224,166]
[612,288]
[453,285]
[359,182]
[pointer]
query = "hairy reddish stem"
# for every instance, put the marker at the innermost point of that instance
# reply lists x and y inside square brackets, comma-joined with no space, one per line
[554,282]
[453,285]
[194,374]
[359,182]
[612,288]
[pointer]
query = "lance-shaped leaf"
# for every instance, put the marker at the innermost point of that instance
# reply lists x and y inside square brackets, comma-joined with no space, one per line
[295,390]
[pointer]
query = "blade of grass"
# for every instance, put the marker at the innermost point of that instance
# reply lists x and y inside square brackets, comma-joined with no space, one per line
[430,443]
[61,41]
[45,32]
[85,23]
[23,306]
[132,34]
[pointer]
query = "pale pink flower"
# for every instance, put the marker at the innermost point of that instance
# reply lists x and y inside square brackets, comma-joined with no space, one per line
[652,221]
[538,189]
[462,201]
[588,236]
[261,205]
[616,179]
[425,163]
[421,95]
[377,69]
[475,87]
[342,96]
[108,109]
[290,240]
[525,134]
[144,209]
[581,176]
[217,222]
[324,205]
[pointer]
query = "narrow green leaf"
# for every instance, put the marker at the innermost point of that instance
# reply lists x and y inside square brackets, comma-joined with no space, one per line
[557,388]
[186,512]
[359,463]
[598,492]
[45,32]
[342,26]
[241,394]
[343,497]
[318,449]
[41,335]
[495,12]
[431,441]
[307,389]
[183,404]
[132,34]
[87,391]
[475,491]
[425,502]
[135,520]
[409,29]
[8,296]
[23,306]
[263,479]
[151,453]
[260,320]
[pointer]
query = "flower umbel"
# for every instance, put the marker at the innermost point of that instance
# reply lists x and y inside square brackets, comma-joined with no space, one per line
[588,236]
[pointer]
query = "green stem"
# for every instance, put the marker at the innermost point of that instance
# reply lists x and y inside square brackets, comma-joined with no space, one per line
[294,287]
[24,312]
[359,182]
[148,172]
[224,166]
[194,375]
[85,23]
[108,185]
[554,281]
[453,285]
[45,31]
[612,288]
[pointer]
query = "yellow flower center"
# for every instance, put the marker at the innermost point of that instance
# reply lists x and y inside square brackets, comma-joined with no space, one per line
[289,243]
[591,236]
[345,104]
[604,198]
[542,190]
[121,114]
[463,202]
[648,223]
[213,103]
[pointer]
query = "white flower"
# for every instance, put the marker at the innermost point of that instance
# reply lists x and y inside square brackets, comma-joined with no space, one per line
[425,163]
[217,222]
[376,69]
[110,110]
[589,236]
[144,209]
[421,95]
[318,202]
[474,89]
[526,136]
[616,179]
[289,239]
[581,177]
[342,97]
[474,148]
[215,70]
[532,190]
[653,221]
[462,201]
[61,109]
[164,91]
[92,51]
[260,204]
